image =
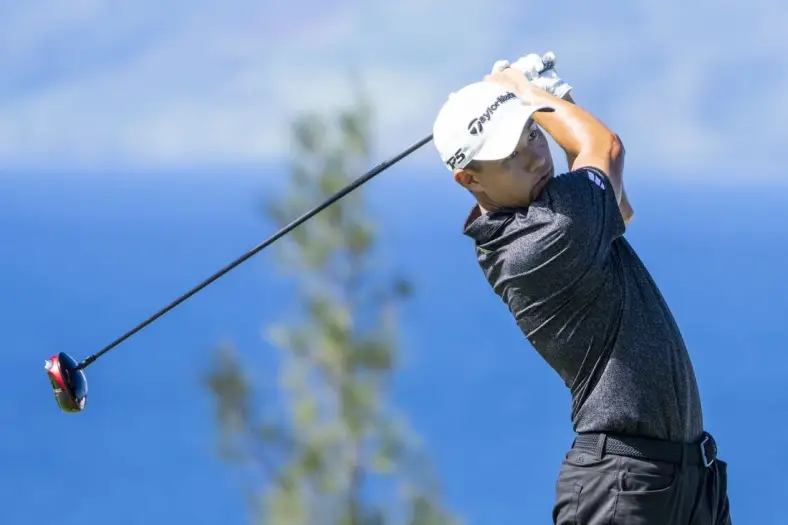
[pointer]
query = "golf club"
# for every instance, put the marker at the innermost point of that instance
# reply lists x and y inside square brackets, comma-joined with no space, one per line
[67,377]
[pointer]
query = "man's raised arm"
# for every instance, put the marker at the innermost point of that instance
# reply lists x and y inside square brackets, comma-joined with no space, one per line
[623,203]
[580,134]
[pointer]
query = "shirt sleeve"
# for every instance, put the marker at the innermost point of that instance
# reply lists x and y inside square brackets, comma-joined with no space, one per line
[584,202]
[565,243]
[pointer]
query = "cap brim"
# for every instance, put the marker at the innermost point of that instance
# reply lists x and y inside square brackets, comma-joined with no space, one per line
[503,140]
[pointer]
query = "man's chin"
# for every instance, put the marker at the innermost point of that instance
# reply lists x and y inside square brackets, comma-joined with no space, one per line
[542,182]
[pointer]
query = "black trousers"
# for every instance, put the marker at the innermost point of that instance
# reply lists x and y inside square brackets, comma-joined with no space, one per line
[616,480]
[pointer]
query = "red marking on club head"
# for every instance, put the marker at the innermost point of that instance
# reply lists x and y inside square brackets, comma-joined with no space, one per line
[64,398]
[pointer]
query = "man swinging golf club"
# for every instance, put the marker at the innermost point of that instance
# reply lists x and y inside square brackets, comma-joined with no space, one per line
[553,248]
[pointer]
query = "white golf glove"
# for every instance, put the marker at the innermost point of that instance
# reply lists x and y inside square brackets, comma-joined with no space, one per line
[530,65]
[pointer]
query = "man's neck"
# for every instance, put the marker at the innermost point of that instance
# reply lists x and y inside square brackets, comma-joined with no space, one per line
[484,204]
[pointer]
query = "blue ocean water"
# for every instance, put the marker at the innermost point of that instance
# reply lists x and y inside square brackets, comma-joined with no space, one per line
[84,259]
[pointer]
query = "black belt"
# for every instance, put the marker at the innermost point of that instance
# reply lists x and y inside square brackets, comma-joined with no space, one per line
[702,452]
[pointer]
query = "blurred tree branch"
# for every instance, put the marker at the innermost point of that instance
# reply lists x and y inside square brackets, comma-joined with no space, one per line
[331,451]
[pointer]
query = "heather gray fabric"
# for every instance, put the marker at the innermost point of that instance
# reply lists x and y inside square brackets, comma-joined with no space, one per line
[587,304]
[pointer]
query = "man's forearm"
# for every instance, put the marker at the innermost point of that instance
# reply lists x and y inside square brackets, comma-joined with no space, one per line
[570,157]
[574,129]
[627,213]
[624,205]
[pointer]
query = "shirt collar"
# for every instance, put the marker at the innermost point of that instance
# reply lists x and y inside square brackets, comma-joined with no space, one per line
[482,227]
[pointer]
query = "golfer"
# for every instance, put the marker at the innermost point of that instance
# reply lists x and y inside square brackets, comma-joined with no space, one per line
[553,248]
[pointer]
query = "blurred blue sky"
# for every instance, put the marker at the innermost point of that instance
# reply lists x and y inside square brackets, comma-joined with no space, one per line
[137,139]
[699,90]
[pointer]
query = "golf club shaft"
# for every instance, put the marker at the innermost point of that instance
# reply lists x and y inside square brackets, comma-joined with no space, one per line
[281,233]
[548,64]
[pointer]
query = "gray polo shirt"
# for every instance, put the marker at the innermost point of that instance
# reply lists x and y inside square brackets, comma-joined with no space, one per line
[587,304]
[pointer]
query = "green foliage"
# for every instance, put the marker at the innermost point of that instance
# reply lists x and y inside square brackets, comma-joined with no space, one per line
[325,449]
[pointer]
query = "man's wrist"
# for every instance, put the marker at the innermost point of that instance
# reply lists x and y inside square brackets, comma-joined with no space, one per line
[534,95]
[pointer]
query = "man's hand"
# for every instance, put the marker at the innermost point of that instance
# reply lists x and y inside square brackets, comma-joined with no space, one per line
[517,82]
[533,67]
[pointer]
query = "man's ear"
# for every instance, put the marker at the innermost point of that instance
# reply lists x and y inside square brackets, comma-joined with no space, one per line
[467,179]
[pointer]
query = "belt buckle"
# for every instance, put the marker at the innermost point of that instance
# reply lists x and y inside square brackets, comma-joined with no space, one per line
[706,462]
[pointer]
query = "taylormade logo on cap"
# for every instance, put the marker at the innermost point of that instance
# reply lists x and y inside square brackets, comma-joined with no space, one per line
[482,121]
[476,125]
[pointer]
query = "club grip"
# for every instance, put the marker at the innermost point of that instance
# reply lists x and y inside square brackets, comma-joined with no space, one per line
[548,59]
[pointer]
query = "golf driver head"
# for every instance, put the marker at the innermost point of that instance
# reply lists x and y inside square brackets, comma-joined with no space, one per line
[69,384]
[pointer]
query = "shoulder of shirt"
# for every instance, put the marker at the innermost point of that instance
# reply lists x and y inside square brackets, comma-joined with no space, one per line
[525,226]
[594,174]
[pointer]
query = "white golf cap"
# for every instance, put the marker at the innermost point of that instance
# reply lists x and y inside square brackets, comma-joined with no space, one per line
[482,121]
